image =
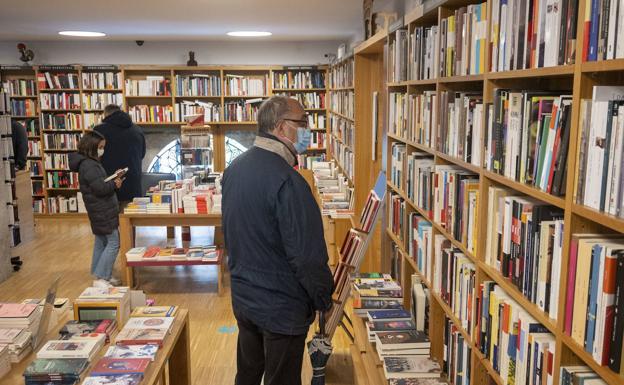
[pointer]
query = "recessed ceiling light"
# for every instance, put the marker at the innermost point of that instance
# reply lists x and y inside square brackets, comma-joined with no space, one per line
[82,33]
[249,33]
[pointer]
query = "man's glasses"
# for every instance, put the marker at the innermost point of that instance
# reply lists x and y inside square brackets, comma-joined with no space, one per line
[303,122]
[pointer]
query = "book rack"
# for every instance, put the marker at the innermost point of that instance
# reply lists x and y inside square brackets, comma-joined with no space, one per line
[352,253]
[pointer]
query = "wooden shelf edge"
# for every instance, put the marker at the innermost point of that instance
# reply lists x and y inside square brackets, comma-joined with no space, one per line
[607,220]
[603,371]
[462,78]
[525,189]
[342,116]
[603,65]
[372,45]
[459,162]
[564,70]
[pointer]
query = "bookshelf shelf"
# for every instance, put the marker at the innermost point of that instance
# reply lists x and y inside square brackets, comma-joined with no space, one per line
[317,149]
[341,115]
[422,82]
[62,110]
[246,96]
[525,189]
[63,188]
[397,84]
[198,97]
[59,90]
[373,45]
[459,162]
[488,367]
[52,131]
[60,215]
[350,88]
[339,139]
[342,170]
[147,96]
[299,89]
[564,70]
[603,66]
[462,79]
[102,90]
[417,146]
[607,220]
[604,371]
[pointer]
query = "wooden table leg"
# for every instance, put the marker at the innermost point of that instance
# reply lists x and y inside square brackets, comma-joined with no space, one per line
[220,278]
[180,359]
[126,242]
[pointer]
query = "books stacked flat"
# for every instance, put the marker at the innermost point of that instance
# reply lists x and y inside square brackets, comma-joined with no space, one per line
[114,379]
[580,375]
[20,316]
[197,203]
[137,206]
[135,254]
[159,208]
[409,342]
[61,349]
[18,342]
[55,371]
[333,189]
[380,293]
[411,367]
[154,311]
[132,351]
[145,331]
[96,304]
[132,369]
[76,328]
[5,360]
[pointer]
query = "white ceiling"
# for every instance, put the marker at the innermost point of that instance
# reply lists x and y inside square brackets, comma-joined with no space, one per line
[293,20]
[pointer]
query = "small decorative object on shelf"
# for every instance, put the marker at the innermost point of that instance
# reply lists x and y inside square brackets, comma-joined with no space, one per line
[191,62]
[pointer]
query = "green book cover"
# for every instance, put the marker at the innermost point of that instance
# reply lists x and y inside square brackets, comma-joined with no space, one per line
[543,143]
[56,366]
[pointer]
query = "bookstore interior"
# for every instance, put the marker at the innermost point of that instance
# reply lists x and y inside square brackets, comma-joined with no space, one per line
[465,158]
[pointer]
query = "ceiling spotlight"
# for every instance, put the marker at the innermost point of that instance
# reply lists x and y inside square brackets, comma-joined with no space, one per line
[249,33]
[82,33]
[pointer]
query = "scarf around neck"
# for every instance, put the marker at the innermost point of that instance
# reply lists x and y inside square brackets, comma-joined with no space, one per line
[274,145]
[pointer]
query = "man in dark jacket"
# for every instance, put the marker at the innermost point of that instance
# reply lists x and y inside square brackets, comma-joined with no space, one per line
[277,255]
[125,147]
[20,144]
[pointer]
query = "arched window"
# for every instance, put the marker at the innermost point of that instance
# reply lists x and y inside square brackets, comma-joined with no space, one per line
[168,159]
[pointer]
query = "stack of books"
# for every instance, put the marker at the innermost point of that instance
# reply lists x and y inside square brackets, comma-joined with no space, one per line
[333,189]
[137,206]
[155,253]
[375,292]
[457,353]
[74,348]
[120,370]
[18,342]
[197,203]
[145,331]
[410,367]
[20,316]
[77,329]
[96,303]
[159,208]
[579,374]
[5,360]
[55,371]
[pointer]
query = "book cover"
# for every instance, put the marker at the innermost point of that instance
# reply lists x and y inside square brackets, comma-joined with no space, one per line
[67,349]
[141,336]
[415,381]
[16,310]
[402,340]
[389,315]
[124,379]
[411,367]
[57,367]
[112,366]
[132,351]
[154,311]
[386,326]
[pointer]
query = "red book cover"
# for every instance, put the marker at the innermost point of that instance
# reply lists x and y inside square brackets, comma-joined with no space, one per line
[555,150]
[112,366]
[569,305]
[608,287]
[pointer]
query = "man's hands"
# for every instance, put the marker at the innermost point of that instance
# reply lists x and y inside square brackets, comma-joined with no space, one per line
[118,182]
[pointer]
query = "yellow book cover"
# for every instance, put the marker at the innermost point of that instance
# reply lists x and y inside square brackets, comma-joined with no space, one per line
[154,311]
[450,49]
[494,327]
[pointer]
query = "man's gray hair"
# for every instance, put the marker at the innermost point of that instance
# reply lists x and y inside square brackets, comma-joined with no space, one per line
[270,112]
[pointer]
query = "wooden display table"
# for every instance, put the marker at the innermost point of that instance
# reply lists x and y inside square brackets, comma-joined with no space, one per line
[127,223]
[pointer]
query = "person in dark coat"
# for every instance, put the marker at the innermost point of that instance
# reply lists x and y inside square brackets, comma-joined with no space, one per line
[277,255]
[101,204]
[20,144]
[125,147]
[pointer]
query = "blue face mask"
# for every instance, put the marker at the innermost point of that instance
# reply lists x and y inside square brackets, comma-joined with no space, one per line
[303,140]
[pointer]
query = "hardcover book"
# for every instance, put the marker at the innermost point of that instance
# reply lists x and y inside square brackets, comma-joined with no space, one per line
[132,351]
[56,367]
[124,379]
[149,323]
[389,315]
[154,311]
[68,349]
[402,340]
[117,366]
[411,367]
[141,336]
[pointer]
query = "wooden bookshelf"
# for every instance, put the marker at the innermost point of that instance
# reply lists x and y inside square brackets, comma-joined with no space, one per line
[578,78]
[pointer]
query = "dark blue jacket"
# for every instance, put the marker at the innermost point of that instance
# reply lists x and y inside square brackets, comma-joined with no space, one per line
[125,147]
[274,239]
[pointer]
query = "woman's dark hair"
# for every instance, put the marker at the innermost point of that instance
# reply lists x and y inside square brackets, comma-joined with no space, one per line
[88,145]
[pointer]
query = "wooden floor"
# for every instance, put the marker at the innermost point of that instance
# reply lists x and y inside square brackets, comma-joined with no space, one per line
[64,248]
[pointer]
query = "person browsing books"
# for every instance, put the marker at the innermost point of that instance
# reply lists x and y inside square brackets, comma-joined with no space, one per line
[277,255]
[98,193]
[125,147]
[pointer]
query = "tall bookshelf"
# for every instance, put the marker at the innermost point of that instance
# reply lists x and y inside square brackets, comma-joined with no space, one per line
[577,79]
[150,91]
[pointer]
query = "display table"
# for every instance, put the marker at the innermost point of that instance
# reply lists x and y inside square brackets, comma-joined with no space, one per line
[127,223]
[172,361]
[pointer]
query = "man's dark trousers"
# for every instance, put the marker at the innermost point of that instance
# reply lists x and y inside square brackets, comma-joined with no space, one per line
[276,356]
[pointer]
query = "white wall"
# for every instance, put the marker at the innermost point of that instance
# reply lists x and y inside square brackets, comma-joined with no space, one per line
[206,52]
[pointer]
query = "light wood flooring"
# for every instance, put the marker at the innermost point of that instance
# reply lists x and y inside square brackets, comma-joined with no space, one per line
[63,247]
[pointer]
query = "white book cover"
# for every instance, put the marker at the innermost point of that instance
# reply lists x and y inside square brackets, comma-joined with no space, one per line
[68,349]
[619,43]
[617,132]
[611,34]
[132,351]
[149,323]
[556,271]
[610,181]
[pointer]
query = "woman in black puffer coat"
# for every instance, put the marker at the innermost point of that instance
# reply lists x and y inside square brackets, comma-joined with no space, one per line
[101,204]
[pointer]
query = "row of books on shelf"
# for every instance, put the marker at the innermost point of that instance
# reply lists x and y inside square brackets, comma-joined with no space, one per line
[26,107]
[422,58]
[31,125]
[343,103]
[242,111]
[527,138]
[196,156]
[533,34]
[99,100]
[306,161]
[61,204]
[335,194]
[57,80]
[60,101]
[600,157]
[61,141]
[460,127]
[20,87]
[34,148]
[341,74]
[309,100]
[601,29]
[101,80]
[412,116]
[5,102]
[241,85]
[35,167]
[299,79]
[211,111]
[62,179]
[198,85]
[170,253]
[151,114]
[343,129]
[525,244]
[343,154]
[65,121]
[150,86]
